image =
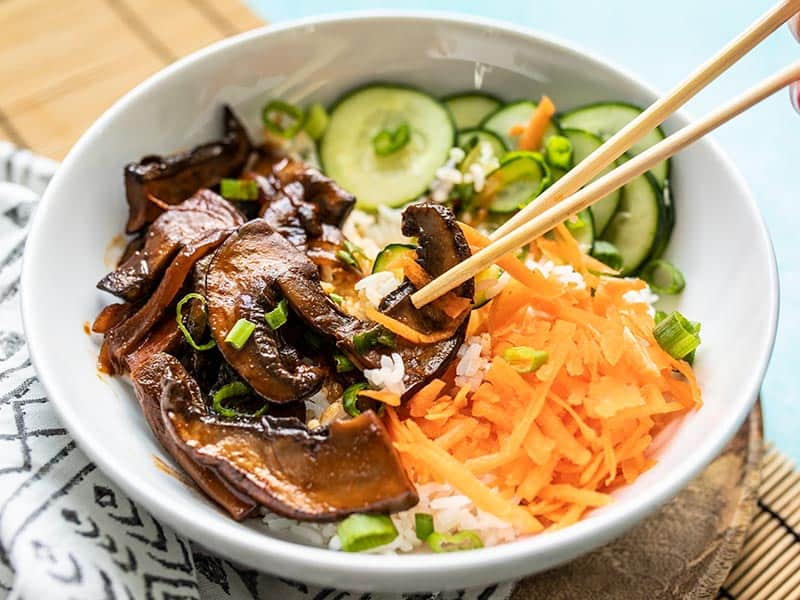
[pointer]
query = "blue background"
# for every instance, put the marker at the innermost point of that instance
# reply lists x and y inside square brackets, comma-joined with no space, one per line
[661,43]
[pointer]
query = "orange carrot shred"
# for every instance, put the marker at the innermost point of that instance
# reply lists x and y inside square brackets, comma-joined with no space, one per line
[531,138]
[403,330]
[539,449]
[388,398]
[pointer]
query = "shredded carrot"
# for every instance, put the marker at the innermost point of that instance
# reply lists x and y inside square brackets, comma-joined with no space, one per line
[388,398]
[539,449]
[452,305]
[403,330]
[513,266]
[414,271]
[530,138]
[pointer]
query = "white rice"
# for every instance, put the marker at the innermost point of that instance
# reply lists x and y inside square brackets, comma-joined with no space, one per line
[643,296]
[447,177]
[451,511]
[473,361]
[316,404]
[374,288]
[373,232]
[389,376]
[563,273]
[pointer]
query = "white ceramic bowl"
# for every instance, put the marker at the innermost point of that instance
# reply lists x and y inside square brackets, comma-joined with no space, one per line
[720,242]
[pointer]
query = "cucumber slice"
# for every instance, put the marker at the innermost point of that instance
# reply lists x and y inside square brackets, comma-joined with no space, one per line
[516,113]
[638,226]
[583,144]
[348,156]
[583,230]
[604,119]
[538,157]
[513,184]
[467,139]
[470,141]
[390,258]
[469,109]
[484,283]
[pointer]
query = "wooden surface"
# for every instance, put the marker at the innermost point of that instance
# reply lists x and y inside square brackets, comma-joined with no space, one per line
[686,550]
[66,61]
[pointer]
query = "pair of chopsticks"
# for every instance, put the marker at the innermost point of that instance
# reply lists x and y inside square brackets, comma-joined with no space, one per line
[564,199]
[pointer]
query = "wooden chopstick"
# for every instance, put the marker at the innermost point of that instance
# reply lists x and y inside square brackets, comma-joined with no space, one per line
[545,221]
[656,114]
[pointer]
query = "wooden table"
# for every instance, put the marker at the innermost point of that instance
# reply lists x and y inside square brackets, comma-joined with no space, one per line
[66,61]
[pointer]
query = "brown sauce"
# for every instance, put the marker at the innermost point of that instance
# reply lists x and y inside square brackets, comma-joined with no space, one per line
[165,468]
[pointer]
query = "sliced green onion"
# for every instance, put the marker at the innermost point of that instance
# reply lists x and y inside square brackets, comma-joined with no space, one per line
[353,249]
[558,152]
[278,315]
[660,316]
[608,254]
[525,359]
[347,258]
[423,525]
[337,298]
[232,390]
[363,532]
[282,118]
[366,341]
[454,542]
[316,121]
[238,189]
[240,333]
[663,277]
[350,398]
[575,223]
[677,335]
[343,364]
[179,318]
[388,141]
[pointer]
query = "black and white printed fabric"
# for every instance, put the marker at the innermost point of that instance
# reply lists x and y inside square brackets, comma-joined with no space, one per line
[66,531]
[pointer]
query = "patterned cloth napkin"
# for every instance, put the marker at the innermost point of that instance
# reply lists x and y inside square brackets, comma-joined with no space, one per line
[66,531]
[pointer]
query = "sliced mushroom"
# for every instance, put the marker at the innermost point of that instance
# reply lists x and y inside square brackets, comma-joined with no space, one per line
[242,283]
[174,178]
[124,338]
[305,186]
[158,375]
[442,245]
[173,229]
[321,475]
[256,267]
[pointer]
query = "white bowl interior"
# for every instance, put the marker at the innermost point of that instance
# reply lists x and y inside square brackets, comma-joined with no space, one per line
[719,242]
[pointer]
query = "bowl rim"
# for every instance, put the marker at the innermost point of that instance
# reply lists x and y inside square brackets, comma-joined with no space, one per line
[603,526]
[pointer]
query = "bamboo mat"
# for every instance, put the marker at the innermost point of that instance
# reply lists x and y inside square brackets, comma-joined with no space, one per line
[71,59]
[66,61]
[769,565]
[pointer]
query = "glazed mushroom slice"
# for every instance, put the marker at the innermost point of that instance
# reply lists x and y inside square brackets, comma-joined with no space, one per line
[320,475]
[174,178]
[303,185]
[173,229]
[442,245]
[127,335]
[256,267]
[158,375]
[243,281]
